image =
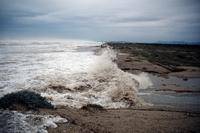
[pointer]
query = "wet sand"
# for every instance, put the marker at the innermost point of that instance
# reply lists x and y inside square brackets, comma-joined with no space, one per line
[161,117]
[126,121]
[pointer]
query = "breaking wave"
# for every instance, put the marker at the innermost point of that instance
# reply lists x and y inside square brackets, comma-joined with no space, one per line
[103,84]
[70,77]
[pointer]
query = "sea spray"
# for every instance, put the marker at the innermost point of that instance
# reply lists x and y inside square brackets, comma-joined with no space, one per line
[67,75]
[143,80]
[103,83]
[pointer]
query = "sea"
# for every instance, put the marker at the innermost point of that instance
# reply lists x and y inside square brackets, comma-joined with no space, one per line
[70,73]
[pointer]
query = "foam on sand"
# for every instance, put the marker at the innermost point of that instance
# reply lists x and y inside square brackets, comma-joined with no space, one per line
[13,121]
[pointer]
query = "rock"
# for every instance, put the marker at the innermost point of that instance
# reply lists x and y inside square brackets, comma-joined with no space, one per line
[28,99]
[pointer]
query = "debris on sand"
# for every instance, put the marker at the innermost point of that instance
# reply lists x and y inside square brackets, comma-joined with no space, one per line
[93,107]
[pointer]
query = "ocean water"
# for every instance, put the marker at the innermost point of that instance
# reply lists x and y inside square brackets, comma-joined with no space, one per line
[70,73]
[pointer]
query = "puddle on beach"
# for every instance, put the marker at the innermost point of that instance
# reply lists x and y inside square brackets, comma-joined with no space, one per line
[190,83]
[173,92]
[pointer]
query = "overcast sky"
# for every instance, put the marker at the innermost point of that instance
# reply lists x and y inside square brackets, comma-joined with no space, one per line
[125,20]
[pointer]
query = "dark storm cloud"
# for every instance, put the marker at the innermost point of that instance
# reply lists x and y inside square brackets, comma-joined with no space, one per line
[130,20]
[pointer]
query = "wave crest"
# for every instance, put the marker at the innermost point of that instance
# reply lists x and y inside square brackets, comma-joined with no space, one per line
[104,84]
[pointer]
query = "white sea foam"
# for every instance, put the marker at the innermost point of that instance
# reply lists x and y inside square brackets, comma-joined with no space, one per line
[103,83]
[66,75]
[13,121]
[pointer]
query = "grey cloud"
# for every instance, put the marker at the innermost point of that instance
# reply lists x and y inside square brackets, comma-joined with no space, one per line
[147,20]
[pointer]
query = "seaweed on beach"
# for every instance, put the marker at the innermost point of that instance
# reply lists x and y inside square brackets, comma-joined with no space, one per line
[93,107]
[28,99]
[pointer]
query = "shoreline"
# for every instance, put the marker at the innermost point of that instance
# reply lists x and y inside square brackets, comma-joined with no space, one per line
[143,118]
[138,119]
